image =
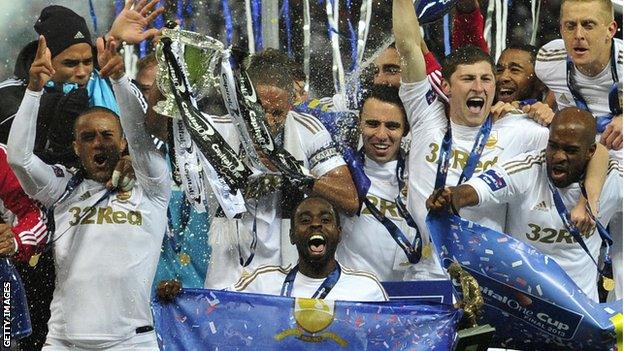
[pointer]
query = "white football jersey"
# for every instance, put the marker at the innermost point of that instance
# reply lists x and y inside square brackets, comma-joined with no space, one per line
[366,244]
[509,137]
[522,184]
[351,286]
[105,256]
[551,68]
[309,142]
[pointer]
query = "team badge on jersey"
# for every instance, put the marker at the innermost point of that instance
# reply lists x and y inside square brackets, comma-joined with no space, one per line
[124,195]
[492,140]
[493,179]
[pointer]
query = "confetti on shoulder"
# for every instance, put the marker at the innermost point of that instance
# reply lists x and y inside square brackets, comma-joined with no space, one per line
[516,264]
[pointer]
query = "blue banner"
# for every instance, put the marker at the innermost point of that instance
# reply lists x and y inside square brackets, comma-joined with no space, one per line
[529,299]
[209,319]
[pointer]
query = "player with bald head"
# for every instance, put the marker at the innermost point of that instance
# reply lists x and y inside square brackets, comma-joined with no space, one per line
[532,183]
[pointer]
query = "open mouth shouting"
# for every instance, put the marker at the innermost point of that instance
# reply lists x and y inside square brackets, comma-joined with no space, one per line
[317,245]
[559,173]
[475,104]
[506,93]
[100,160]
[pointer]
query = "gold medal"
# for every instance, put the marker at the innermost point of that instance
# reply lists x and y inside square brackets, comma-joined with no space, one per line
[184,258]
[34,259]
[426,252]
[608,284]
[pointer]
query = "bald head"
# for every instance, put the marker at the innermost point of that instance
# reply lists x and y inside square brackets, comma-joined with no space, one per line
[571,144]
[580,122]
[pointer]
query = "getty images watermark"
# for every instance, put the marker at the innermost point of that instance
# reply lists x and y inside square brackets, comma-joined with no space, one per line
[6,314]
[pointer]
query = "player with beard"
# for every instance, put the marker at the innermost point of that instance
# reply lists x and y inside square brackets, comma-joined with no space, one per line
[523,184]
[316,232]
[467,133]
[106,243]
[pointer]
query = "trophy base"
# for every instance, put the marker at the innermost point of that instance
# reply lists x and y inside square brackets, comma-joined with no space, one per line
[475,339]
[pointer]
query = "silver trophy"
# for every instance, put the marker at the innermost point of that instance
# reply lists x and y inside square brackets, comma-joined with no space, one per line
[200,56]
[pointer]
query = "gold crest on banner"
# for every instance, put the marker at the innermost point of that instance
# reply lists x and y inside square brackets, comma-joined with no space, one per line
[312,317]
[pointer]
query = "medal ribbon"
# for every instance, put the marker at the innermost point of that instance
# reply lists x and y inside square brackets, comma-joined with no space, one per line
[473,159]
[412,250]
[321,292]
[573,230]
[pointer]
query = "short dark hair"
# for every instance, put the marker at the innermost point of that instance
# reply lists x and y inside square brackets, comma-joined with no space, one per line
[271,67]
[466,55]
[389,94]
[530,49]
[94,109]
[334,209]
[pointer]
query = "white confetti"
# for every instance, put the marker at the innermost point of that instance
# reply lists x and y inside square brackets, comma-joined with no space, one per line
[516,264]
[213,329]
[608,310]
[486,259]
[539,290]
[386,345]
[489,252]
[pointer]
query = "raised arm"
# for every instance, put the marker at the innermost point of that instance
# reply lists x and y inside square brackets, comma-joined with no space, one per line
[149,164]
[468,26]
[595,176]
[406,31]
[33,174]
[129,26]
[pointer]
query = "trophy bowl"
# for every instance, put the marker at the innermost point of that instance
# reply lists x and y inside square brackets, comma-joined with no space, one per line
[199,55]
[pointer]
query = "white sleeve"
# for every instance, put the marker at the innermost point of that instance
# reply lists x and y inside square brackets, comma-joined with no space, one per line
[39,180]
[494,186]
[149,164]
[422,106]
[611,196]
[319,148]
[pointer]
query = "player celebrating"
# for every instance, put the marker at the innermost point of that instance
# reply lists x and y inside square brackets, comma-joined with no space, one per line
[315,231]
[584,68]
[532,184]
[117,235]
[451,150]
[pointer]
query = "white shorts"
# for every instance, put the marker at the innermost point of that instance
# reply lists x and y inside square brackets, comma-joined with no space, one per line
[140,342]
